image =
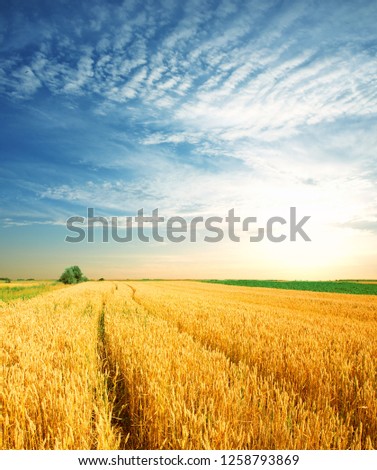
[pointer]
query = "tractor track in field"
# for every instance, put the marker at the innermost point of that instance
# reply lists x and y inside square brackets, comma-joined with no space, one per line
[133,297]
[114,385]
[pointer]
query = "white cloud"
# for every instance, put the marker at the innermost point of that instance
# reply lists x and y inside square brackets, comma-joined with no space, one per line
[80,77]
[27,82]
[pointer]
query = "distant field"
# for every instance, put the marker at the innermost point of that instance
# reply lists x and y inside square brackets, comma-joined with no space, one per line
[361,281]
[26,289]
[340,287]
[188,365]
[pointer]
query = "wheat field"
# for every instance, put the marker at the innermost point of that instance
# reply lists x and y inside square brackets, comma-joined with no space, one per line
[188,365]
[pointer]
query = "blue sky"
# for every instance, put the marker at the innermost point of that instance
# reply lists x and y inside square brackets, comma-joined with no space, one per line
[193,107]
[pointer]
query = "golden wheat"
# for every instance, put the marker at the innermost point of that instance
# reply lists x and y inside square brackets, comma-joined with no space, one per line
[53,393]
[187,365]
[319,348]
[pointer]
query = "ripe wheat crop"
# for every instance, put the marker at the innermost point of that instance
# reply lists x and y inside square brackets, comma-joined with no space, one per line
[53,390]
[188,365]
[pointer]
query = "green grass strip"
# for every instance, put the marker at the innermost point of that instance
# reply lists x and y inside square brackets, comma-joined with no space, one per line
[340,287]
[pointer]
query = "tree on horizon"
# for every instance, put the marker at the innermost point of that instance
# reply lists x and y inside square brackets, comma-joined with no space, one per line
[72,275]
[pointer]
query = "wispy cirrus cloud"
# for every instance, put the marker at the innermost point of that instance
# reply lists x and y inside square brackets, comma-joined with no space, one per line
[249,79]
